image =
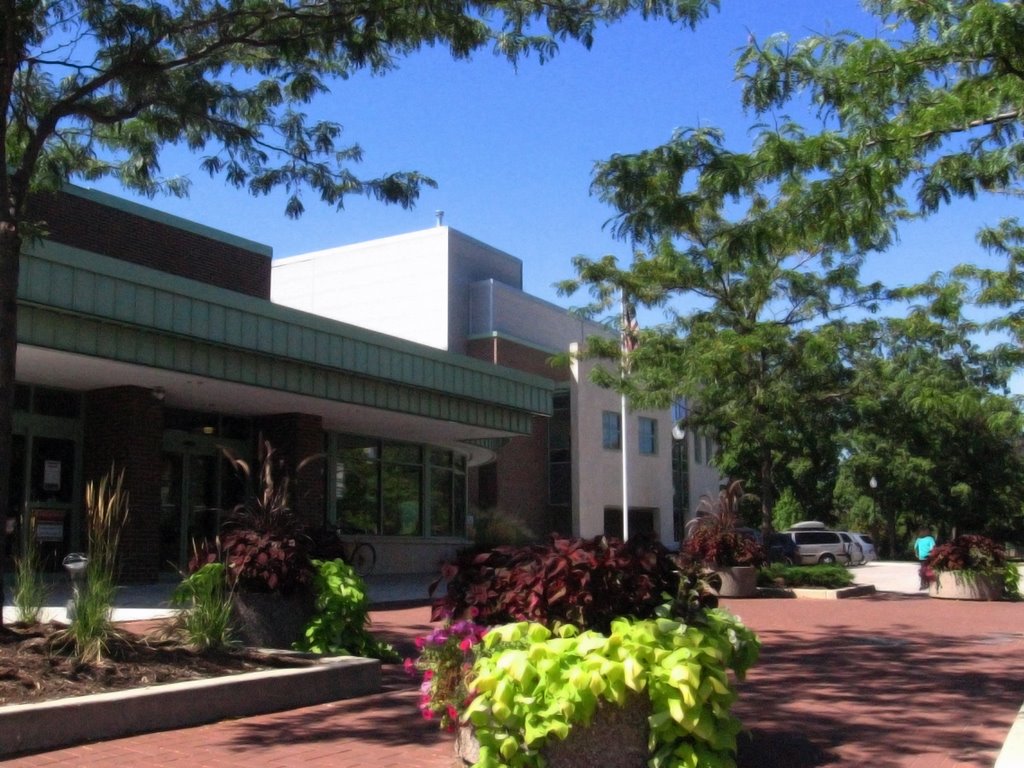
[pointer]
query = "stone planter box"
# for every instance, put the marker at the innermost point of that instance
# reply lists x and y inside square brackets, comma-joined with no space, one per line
[960,585]
[271,620]
[616,738]
[738,581]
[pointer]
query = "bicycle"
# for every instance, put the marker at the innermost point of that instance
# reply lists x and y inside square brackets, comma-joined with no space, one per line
[360,555]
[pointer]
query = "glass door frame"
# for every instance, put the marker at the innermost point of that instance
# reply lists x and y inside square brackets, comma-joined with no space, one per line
[188,445]
[32,427]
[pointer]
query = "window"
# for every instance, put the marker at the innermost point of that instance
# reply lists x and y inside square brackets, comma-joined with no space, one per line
[648,434]
[611,430]
[447,493]
[698,449]
[402,489]
[560,452]
[398,489]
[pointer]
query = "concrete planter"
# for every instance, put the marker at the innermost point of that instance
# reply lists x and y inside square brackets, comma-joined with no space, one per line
[271,619]
[963,585]
[738,581]
[616,738]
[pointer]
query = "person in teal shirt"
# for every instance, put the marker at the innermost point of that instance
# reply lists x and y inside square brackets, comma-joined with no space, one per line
[923,546]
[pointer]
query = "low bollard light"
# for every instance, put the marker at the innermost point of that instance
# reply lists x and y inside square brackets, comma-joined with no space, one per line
[75,564]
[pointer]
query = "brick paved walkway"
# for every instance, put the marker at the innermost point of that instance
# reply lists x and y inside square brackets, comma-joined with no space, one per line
[890,681]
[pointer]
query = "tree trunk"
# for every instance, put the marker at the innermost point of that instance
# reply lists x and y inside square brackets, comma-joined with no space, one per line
[767,492]
[10,254]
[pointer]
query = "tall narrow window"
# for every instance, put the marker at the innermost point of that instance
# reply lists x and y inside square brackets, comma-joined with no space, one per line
[560,452]
[647,433]
[401,483]
[611,430]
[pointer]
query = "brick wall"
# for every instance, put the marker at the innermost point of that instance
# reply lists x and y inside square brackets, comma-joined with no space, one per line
[124,427]
[518,356]
[82,223]
[296,437]
[520,480]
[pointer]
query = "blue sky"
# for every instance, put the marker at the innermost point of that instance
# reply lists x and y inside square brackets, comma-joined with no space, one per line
[513,149]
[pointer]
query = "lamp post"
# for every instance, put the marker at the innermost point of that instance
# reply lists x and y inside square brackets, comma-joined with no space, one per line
[873,484]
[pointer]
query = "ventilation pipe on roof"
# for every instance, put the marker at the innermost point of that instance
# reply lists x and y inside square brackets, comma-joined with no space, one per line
[440,218]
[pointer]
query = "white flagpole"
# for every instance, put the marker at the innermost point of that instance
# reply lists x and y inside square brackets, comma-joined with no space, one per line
[626,329]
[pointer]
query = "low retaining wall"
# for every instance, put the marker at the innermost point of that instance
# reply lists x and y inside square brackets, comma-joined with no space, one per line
[26,728]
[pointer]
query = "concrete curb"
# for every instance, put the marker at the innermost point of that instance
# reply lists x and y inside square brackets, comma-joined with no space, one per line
[62,723]
[857,590]
[1012,753]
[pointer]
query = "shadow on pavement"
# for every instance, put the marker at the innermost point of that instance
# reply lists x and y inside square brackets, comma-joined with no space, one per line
[879,697]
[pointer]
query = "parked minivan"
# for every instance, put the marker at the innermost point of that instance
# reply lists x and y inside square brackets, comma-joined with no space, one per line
[817,544]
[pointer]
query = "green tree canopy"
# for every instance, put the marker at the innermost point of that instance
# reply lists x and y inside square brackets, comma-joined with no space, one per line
[749,287]
[755,254]
[930,424]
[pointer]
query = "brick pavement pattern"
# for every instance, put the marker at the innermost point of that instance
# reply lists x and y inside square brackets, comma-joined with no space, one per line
[888,681]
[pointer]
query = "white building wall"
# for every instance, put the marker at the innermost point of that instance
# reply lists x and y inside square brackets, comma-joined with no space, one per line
[597,472]
[705,481]
[470,262]
[496,308]
[395,285]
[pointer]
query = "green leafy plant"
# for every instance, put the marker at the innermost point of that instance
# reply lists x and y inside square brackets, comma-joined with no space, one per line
[30,591]
[823,576]
[533,684]
[339,626]
[1011,582]
[90,630]
[205,599]
[584,582]
[714,538]
[496,528]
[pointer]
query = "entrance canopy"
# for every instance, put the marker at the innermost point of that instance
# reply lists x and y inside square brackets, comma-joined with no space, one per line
[88,321]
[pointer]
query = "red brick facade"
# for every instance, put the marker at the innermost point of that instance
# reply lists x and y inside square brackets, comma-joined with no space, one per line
[77,221]
[124,428]
[518,484]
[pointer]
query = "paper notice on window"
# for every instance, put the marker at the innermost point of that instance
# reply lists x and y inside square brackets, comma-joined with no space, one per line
[51,475]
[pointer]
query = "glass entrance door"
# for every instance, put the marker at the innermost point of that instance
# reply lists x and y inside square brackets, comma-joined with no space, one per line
[189,505]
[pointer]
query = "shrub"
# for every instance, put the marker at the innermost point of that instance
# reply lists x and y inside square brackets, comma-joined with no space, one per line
[968,553]
[205,599]
[714,538]
[974,556]
[584,582]
[263,543]
[30,591]
[446,661]
[533,684]
[824,576]
[90,630]
[342,614]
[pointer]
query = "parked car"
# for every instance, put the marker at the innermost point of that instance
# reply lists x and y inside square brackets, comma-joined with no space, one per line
[817,544]
[782,549]
[867,544]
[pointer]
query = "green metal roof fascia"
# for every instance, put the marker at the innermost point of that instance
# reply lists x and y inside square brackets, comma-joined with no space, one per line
[108,289]
[69,332]
[490,443]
